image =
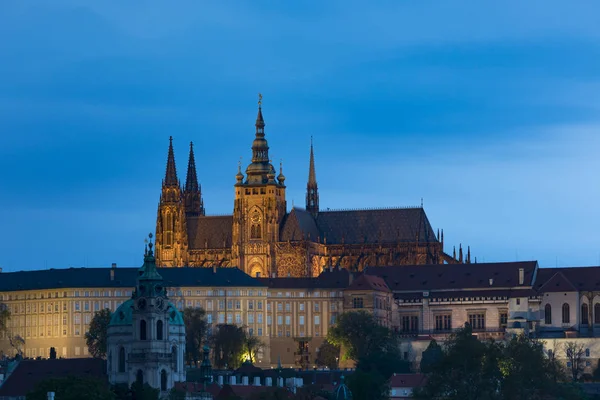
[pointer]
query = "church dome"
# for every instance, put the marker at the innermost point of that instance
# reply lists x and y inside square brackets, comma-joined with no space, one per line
[123,315]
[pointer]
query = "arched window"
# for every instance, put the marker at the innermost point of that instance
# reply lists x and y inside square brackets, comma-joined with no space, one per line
[122,359]
[548,314]
[255,232]
[585,313]
[159,330]
[258,234]
[597,313]
[143,330]
[175,360]
[139,377]
[163,380]
[566,314]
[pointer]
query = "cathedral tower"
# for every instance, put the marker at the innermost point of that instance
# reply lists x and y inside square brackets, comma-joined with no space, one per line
[259,209]
[192,193]
[312,190]
[171,230]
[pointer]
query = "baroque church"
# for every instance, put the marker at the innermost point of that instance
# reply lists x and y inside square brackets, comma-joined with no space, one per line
[263,239]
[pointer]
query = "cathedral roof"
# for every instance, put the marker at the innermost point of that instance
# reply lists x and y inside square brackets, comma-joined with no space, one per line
[212,231]
[359,226]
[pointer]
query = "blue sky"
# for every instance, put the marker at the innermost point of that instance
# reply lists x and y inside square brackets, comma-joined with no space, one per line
[489,112]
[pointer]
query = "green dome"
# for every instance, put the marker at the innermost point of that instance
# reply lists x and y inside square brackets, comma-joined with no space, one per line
[124,315]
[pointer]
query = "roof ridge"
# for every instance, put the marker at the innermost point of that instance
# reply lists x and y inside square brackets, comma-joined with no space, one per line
[371,209]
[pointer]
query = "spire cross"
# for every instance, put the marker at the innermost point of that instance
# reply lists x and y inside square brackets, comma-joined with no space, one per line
[259,100]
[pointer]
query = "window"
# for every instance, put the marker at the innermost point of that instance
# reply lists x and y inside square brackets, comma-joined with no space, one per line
[316,307]
[238,318]
[269,320]
[503,319]
[410,323]
[238,304]
[279,306]
[259,331]
[288,307]
[587,352]
[518,302]
[477,321]
[288,320]
[301,320]
[163,380]
[139,377]
[159,330]
[566,314]
[250,304]
[357,302]
[229,318]
[122,359]
[597,313]
[175,360]
[585,313]
[259,305]
[443,322]
[548,314]
[143,330]
[317,319]
[279,320]
[250,318]
[301,306]
[209,318]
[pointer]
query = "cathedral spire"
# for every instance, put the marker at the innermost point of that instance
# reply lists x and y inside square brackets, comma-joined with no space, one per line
[192,193]
[260,122]
[171,173]
[312,190]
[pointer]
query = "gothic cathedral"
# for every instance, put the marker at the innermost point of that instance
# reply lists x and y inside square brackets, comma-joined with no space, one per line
[263,239]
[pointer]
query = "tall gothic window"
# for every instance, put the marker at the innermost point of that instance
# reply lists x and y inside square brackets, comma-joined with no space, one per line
[255,232]
[548,314]
[169,229]
[597,313]
[566,314]
[585,312]
[175,360]
[139,377]
[163,380]
[143,333]
[122,359]
[159,330]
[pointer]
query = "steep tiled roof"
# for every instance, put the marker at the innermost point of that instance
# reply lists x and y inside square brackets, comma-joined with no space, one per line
[415,278]
[407,380]
[581,278]
[123,277]
[369,282]
[211,232]
[372,226]
[30,372]
[299,225]
[557,283]
[335,279]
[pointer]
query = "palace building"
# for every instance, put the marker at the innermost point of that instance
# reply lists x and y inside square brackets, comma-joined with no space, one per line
[263,239]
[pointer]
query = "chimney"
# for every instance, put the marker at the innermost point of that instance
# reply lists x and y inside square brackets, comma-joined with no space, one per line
[50,395]
[268,381]
[521,276]
[214,268]
[245,380]
[232,380]
[257,381]
[220,380]
[491,281]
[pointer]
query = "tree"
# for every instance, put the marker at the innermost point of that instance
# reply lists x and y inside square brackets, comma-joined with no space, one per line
[196,329]
[375,350]
[144,391]
[575,364]
[52,353]
[228,345]
[4,318]
[328,355]
[176,394]
[96,337]
[252,345]
[467,371]
[17,342]
[431,357]
[72,388]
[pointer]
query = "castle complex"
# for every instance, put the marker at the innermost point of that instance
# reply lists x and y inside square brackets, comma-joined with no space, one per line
[263,239]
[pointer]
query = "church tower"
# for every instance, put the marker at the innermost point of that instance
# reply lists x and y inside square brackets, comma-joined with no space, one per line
[312,190]
[171,230]
[146,334]
[258,210]
[192,193]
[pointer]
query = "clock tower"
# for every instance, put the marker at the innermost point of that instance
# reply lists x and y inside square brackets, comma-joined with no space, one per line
[259,208]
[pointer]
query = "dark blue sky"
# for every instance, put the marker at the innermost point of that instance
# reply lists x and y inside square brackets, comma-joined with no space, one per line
[489,112]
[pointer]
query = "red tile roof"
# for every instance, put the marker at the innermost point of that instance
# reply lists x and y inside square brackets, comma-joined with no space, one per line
[369,282]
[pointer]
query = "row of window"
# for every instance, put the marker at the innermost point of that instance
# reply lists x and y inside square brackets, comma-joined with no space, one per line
[443,322]
[566,314]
